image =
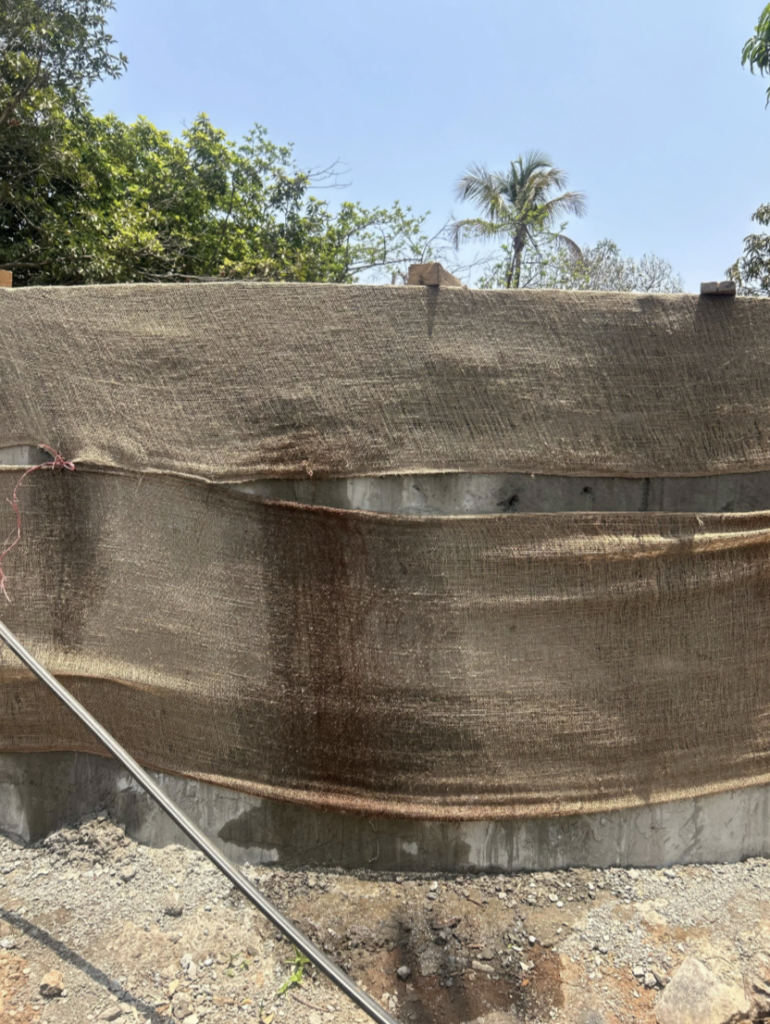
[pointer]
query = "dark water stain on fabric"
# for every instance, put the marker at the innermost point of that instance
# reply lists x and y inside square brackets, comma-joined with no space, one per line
[335,582]
[321,652]
[59,556]
[74,570]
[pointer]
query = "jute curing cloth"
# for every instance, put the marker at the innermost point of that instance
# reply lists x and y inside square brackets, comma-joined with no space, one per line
[441,667]
[236,381]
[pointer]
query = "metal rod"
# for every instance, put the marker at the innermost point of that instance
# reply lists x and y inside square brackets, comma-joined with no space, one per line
[239,880]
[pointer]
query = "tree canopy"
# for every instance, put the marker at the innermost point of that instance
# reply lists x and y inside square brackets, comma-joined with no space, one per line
[603,268]
[756,50]
[751,271]
[548,263]
[517,205]
[87,199]
[141,205]
[51,51]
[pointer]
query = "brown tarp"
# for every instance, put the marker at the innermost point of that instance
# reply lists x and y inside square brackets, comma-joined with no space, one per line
[445,667]
[236,381]
[451,667]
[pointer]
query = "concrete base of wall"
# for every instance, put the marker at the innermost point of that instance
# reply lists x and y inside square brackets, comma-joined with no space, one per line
[42,792]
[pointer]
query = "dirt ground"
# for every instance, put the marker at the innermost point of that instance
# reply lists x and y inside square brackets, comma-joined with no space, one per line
[146,935]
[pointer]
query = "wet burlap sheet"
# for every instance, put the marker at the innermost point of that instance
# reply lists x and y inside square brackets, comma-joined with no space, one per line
[236,381]
[480,667]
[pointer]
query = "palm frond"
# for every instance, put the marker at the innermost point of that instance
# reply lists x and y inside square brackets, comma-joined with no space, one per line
[481,187]
[474,227]
[567,202]
[572,247]
[534,160]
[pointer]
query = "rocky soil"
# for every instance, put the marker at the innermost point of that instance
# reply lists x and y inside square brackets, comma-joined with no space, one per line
[96,928]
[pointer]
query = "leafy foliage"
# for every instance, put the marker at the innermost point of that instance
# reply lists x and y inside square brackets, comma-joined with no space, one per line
[53,48]
[136,204]
[601,267]
[756,50]
[752,271]
[299,963]
[143,205]
[86,200]
[50,52]
[519,207]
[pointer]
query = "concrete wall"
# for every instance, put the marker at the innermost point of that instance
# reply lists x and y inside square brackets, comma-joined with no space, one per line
[480,494]
[39,792]
[489,493]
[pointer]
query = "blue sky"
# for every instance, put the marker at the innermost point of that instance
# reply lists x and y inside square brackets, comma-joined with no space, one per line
[646,106]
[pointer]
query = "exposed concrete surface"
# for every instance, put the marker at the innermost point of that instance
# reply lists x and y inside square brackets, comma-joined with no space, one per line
[22,455]
[42,792]
[478,494]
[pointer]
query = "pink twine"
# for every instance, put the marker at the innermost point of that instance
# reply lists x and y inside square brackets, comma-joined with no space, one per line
[58,462]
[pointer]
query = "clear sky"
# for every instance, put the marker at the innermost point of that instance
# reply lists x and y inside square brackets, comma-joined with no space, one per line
[645,105]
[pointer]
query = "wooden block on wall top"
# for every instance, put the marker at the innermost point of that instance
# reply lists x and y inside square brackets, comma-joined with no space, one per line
[6,279]
[433,274]
[718,288]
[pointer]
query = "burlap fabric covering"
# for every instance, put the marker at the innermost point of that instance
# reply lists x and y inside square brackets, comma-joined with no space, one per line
[449,667]
[237,381]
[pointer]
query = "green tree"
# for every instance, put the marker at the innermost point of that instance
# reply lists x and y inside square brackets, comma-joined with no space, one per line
[137,204]
[751,271]
[518,207]
[86,200]
[51,51]
[756,50]
[601,267]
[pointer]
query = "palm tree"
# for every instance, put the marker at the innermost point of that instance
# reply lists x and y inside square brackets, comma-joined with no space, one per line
[517,204]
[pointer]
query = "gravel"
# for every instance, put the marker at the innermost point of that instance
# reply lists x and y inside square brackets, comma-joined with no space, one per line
[157,935]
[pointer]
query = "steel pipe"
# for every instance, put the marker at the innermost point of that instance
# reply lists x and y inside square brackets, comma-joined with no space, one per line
[204,844]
